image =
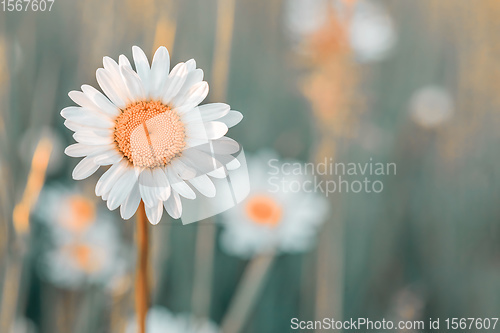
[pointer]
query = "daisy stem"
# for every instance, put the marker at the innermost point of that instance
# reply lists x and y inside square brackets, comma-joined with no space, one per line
[247,293]
[142,279]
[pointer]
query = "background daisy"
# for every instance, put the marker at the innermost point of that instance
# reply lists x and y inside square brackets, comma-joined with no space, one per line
[84,245]
[160,320]
[270,219]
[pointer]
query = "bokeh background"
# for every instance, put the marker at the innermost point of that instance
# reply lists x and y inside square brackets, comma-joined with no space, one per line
[409,82]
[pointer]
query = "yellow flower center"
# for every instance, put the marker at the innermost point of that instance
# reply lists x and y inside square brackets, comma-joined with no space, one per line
[149,134]
[263,209]
[79,213]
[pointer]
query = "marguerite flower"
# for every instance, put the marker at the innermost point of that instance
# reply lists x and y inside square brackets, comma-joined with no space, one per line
[371,34]
[278,215]
[67,209]
[80,249]
[372,31]
[92,257]
[160,320]
[149,127]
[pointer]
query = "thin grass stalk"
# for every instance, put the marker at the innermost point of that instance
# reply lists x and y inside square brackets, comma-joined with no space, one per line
[222,51]
[203,268]
[20,216]
[247,293]
[205,242]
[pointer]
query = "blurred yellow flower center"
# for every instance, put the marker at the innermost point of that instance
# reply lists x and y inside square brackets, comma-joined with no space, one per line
[149,134]
[83,257]
[263,209]
[78,213]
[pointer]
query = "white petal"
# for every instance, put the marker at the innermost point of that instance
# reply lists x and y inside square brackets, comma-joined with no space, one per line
[191,116]
[159,72]
[92,138]
[141,66]
[193,77]
[105,196]
[121,189]
[180,186]
[181,169]
[215,129]
[219,173]
[196,130]
[233,165]
[191,65]
[114,70]
[232,118]
[194,96]
[176,79]
[133,83]
[108,157]
[80,150]
[102,102]
[213,111]
[87,117]
[222,146]
[75,126]
[226,145]
[147,188]
[81,99]
[173,205]
[110,89]
[204,185]
[129,207]
[105,183]
[212,130]
[195,142]
[202,162]
[154,213]
[162,184]
[85,168]
[124,62]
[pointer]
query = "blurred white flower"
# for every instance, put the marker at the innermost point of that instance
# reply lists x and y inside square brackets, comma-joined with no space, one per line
[67,209]
[160,320]
[431,106]
[304,17]
[92,257]
[84,245]
[285,220]
[148,125]
[372,34]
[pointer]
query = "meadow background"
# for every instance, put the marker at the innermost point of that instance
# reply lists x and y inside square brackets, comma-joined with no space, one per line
[427,246]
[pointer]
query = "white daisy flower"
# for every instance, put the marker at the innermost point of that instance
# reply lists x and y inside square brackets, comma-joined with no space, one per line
[91,257]
[85,246]
[304,17]
[149,127]
[66,209]
[431,106]
[276,216]
[372,34]
[160,320]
